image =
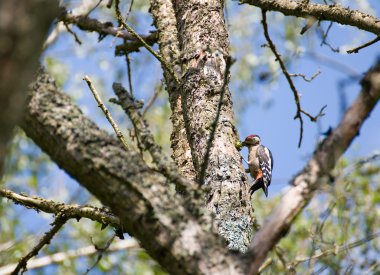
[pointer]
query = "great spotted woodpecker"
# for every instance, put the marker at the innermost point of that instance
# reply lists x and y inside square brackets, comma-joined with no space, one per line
[260,163]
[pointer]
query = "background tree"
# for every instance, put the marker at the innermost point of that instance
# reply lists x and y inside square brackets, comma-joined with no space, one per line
[197,204]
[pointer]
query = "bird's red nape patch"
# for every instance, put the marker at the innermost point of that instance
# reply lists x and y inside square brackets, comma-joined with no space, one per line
[251,136]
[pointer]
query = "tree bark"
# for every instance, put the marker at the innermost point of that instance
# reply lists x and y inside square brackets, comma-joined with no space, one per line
[122,181]
[165,22]
[333,13]
[204,46]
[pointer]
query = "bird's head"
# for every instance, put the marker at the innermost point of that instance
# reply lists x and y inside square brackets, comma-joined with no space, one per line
[251,140]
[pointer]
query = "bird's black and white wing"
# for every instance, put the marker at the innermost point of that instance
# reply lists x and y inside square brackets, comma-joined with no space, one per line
[266,164]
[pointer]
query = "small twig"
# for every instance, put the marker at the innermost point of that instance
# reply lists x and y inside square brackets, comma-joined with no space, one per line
[324,37]
[357,49]
[94,8]
[265,265]
[289,79]
[109,4]
[60,257]
[157,91]
[285,72]
[305,77]
[144,43]
[119,134]
[72,33]
[314,118]
[59,221]
[71,211]
[336,249]
[129,10]
[202,173]
[129,72]
[101,251]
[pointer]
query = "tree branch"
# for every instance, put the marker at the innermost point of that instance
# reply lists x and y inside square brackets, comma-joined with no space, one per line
[290,81]
[70,254]
[121,180]
[71,211]
[119,134]
[165,166]
[334,13]
[310,178]
[357,49]
[86,23]
[59,221]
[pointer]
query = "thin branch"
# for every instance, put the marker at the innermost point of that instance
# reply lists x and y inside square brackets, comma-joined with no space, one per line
[59,221]
[129,72]
[94,8]
[357,49]
[334,13]
[335,250]
[134,46]
[164,165]
[304,77]
[202,173]
[164,63]
[103,28]
[285,72]
[157,91]
[324,38]
[70,254]
[129,10]
[119,134]
[314,118]
[73,34]
[71,211]
[100,251]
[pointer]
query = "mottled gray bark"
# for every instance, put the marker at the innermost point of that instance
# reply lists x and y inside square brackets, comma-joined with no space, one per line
[320,166]
[204,48]
[333,13]
[121,180]
[165,22]
[23,27]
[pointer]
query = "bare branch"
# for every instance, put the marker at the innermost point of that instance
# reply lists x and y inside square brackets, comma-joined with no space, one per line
[314,118]
[72,33]
[122,23]
[310,178]
[304,77]
[334,13]
[59,221]
[71,211]
[324,38]
[103,28]
[151,101]
[335,250]
[70,254]
[165,166]
[289,79]
[119,134]
[357,49]
[101,251]
[161,220]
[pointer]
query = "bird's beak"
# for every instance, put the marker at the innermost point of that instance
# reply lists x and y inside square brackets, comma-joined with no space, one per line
[243,143]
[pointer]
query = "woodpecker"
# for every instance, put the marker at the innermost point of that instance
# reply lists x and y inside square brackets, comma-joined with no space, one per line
[260,163]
